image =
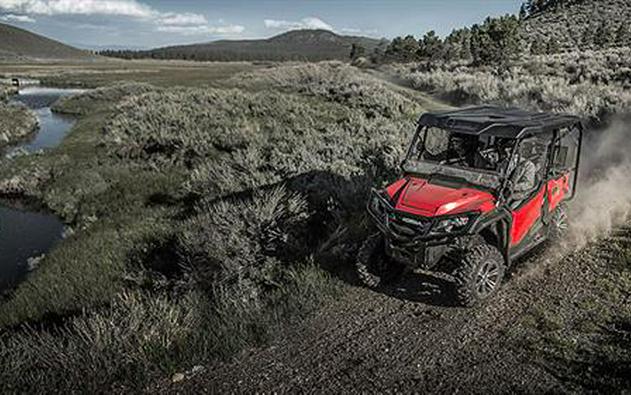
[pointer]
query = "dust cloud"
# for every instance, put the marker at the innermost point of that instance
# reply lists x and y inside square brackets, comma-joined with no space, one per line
[603,198]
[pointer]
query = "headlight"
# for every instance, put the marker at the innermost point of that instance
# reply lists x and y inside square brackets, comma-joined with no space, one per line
[450,225]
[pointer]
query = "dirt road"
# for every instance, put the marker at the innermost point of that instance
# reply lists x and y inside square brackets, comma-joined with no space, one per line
[407,338]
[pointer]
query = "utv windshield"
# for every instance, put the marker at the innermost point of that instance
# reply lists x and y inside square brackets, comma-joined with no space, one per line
[479,160]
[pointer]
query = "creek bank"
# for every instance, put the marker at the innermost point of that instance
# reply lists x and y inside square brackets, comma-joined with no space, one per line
[27,230]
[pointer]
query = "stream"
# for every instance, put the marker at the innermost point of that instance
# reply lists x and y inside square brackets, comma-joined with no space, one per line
[25,233]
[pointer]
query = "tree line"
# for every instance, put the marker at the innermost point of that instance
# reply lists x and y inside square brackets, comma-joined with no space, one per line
[498,40]
[494,42]
[532,7]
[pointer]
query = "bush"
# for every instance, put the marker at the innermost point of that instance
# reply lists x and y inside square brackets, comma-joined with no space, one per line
[135,338]
[141,338]
[334,82]
[245,244]
[552,83]
[17,123]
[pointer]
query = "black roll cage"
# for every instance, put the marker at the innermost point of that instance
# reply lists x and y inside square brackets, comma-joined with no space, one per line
[517,140]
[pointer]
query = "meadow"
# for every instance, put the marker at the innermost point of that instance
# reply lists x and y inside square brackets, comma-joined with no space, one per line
[199,219]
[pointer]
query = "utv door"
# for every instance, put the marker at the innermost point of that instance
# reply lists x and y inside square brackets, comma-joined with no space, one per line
[527,213]
[563,173]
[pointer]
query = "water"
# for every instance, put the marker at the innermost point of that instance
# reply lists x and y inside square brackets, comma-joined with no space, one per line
[24,235]
[27,233]
[53,127]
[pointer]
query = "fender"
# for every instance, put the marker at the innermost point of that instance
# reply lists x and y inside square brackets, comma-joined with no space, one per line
[496,223]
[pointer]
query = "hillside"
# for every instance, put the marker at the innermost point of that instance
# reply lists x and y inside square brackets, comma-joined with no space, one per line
[581,24]
[311,45]
[16,44]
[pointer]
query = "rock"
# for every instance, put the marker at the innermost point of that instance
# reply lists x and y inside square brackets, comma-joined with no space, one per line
[33,262]
[68,232]
[177,377]
[197,369]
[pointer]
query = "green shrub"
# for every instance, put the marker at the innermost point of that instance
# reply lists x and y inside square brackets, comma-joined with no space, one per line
[243,243]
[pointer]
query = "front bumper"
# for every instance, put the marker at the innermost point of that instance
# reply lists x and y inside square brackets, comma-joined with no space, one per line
[407,236]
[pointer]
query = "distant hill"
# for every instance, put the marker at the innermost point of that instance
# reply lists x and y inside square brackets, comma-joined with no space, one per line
[580,24]
[19,44]
[311,45]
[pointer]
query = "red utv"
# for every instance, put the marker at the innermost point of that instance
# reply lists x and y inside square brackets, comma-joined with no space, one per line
[481,187]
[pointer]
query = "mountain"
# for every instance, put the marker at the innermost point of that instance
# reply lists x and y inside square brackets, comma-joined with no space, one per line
[16,44]
[580,24]
[311,45]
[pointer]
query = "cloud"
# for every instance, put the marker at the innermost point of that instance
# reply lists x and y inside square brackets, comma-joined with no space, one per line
[16,18]
[304,23]
[226,30]
[129,8]
[171,19]
[355,31]
[179,23]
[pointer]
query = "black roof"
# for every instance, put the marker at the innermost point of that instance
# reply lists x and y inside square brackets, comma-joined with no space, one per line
[498,121]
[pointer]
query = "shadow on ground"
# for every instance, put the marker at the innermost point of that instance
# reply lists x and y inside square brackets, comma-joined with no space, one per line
[422,288]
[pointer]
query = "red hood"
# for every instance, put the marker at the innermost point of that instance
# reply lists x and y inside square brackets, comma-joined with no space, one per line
[417,196]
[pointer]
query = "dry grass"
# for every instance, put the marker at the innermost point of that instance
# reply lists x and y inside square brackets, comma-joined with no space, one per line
[202,217]
[591,84]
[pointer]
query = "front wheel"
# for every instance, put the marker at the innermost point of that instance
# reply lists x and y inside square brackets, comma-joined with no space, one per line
[479,274]
[373,266]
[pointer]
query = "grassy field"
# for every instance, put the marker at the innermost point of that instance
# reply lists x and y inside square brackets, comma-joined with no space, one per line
[200,218]
[159,73]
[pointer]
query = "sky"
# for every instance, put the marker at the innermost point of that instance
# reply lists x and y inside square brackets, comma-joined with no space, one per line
[151,23]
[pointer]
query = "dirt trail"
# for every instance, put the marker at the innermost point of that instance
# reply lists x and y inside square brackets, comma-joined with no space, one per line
[405,339]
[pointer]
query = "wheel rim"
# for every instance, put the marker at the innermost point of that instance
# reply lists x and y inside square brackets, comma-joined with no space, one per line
[487,278]
[562,224]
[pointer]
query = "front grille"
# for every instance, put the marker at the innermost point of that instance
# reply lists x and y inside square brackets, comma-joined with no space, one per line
[406,229]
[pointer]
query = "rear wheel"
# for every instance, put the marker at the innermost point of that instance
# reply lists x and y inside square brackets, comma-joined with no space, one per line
[479,274]
[373,266]
[559,224]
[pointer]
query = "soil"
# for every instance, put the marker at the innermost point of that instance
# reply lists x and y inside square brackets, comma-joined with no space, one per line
[408,338]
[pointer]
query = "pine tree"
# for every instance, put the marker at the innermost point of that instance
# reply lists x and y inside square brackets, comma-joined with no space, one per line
[496,42]
[430,46]
[530,6]
[457,45]
[403,49]
[523,13]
